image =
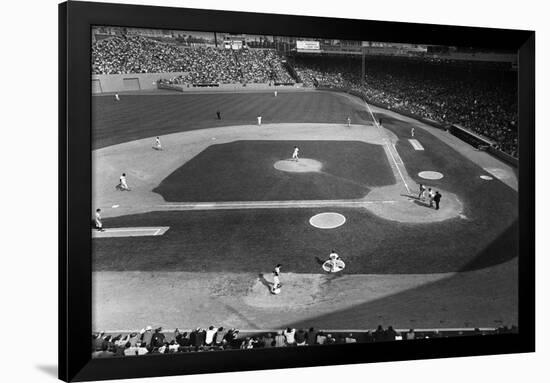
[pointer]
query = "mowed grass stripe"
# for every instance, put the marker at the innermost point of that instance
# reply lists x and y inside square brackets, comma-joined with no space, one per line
[141,116]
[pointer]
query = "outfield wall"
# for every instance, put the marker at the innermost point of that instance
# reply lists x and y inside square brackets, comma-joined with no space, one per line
[105,83]
[109,83]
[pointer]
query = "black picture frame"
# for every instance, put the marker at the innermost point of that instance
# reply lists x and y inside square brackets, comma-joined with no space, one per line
[75,167]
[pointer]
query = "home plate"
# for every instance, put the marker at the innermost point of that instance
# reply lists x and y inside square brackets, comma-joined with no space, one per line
[118,232]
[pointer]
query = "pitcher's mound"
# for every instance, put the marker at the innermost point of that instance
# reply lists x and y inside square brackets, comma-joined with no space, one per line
[303,165]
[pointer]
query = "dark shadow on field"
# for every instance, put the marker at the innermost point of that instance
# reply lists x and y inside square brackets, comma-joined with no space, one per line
[264,281]
[242,317]
[493,254]
[481,298]
[422,203]
[319,261]
[411,196]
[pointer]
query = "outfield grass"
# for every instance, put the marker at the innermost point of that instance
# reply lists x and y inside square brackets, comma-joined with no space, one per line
[243,171]
[141,116]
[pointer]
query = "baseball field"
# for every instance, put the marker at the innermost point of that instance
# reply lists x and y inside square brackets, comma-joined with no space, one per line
[209,216]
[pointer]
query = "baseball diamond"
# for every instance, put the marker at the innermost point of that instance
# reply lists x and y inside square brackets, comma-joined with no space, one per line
[232,203]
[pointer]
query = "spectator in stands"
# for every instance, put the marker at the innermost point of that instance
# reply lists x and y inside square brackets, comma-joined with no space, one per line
[300,338]
[104,353]
[146,336]
[321,338]
[311,336]
[232,338]
[410,335]
[368,337]
[268,340]
[379,334]
[391,334]
[290,336]
[218,337]
[199,337]
[97,341]
[209,336]
[280,339]
[350,339]
[158,338]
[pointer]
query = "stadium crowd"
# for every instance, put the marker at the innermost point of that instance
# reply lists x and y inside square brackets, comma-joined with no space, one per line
[202,65]
[479,99]
[155,341]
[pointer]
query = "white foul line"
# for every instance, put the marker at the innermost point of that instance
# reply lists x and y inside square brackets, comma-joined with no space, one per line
[389,149]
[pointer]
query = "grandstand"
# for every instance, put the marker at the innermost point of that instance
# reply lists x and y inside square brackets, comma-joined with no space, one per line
[479,96]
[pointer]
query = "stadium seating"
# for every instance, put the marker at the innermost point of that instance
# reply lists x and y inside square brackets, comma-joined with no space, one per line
[203,65]
[155,341]
[478,98]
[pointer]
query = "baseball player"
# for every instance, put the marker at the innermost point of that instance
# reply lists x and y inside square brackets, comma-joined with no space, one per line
[157,145]
[276,287]
[333,257]
[437,198]
[117,98]
[295,153]
[431,195]
[275,93]
[412,132]
[259,120]
[349,122]
[277,269]
[97,220]
[421,192]
[123,185]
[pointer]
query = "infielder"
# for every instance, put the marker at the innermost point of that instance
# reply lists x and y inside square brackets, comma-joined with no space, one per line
[116,97]
[97,220]
[295,154]
[158,145]
[412,132]
[259,120]
[122,183]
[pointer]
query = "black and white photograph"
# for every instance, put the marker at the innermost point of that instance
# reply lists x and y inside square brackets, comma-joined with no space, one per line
[260,191]
[266,192]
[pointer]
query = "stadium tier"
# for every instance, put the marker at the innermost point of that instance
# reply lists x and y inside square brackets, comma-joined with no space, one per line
[480,97]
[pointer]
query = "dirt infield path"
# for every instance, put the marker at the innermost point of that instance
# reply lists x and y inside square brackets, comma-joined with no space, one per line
[132,300]
[146,168]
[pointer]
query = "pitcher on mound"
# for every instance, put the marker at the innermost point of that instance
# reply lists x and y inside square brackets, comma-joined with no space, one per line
[295,153]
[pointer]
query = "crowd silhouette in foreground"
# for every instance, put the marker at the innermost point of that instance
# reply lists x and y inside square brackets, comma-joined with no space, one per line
[156,341]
